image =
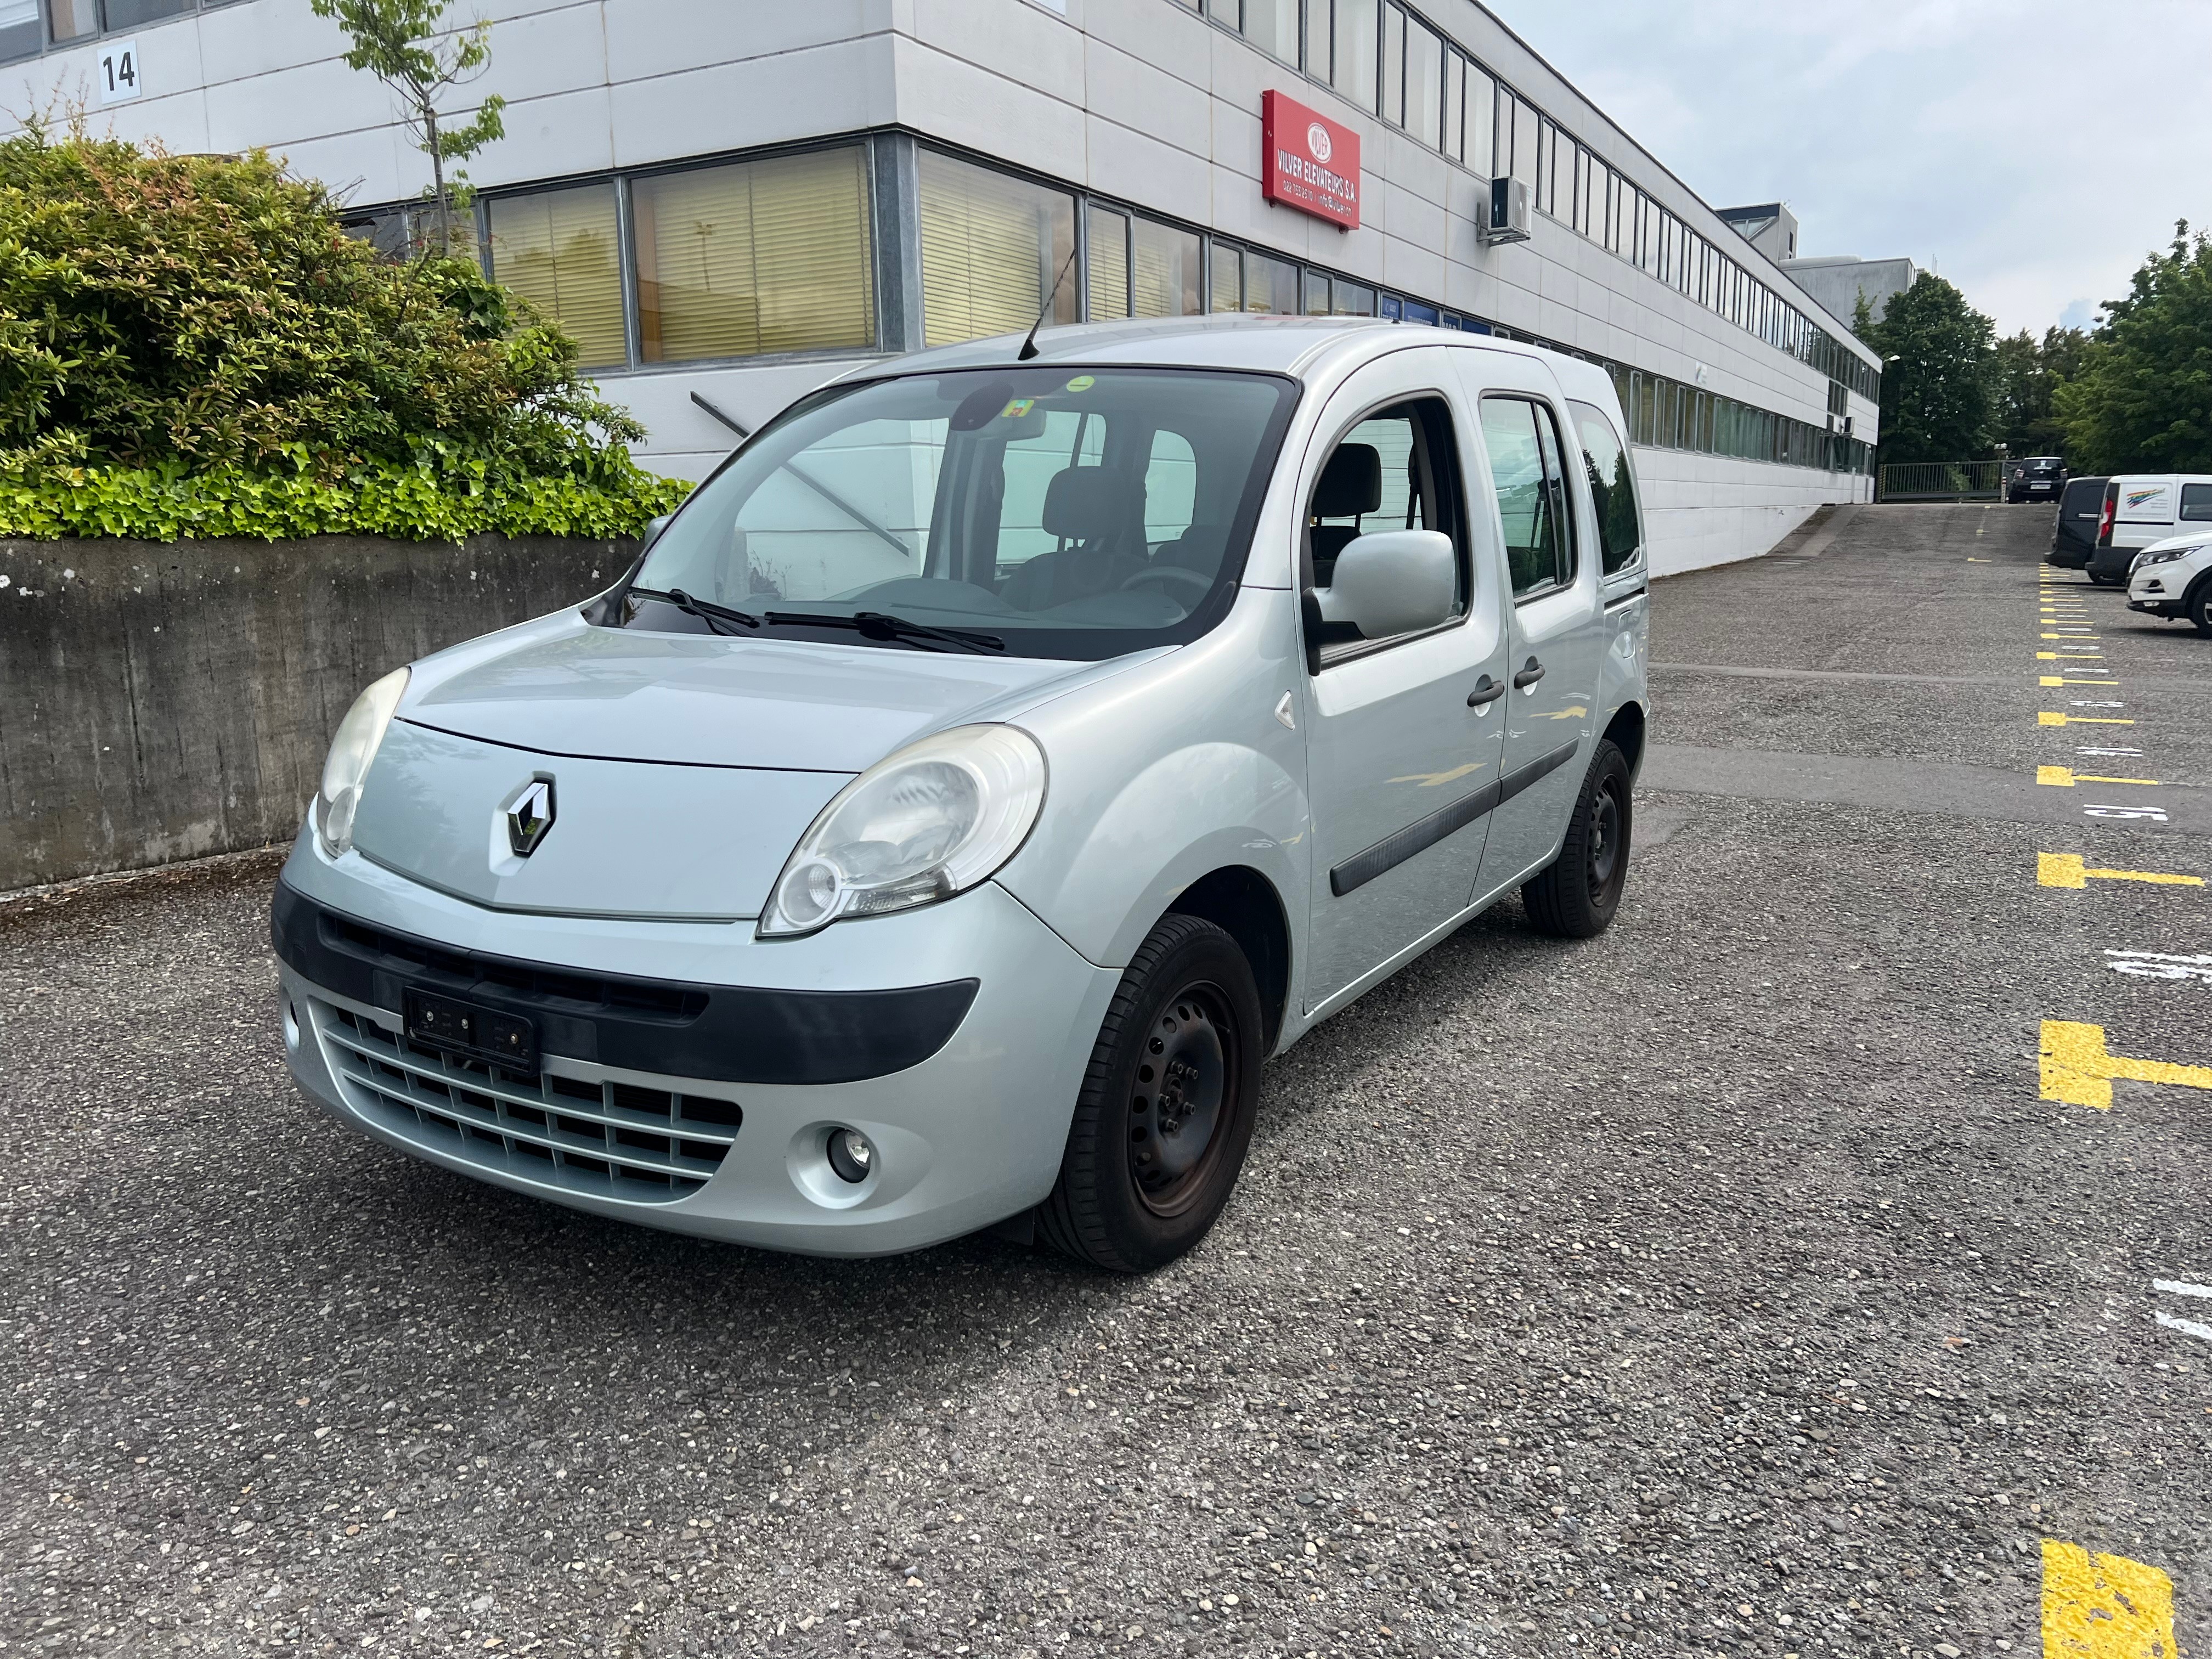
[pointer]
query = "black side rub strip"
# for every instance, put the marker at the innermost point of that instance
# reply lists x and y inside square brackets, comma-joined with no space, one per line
[1423,833]
[732,1033]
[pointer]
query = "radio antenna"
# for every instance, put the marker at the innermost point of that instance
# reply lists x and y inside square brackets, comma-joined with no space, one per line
[1029,344]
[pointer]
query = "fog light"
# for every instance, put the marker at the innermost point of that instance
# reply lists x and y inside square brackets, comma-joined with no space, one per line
[850,1154]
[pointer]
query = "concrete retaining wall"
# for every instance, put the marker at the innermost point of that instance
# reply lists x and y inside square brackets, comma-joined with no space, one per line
[165,701]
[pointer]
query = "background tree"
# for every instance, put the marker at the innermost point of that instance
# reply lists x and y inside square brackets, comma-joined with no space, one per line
[1936,396]
[399,42]
[2024,375]
[2141,401]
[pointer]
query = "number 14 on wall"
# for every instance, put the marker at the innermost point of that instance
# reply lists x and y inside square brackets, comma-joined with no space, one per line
[117,74]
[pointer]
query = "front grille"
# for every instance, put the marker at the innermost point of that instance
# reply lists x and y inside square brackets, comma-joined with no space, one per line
[608,1140]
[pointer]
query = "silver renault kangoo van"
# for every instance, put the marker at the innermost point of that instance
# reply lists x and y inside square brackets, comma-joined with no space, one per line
[984,772]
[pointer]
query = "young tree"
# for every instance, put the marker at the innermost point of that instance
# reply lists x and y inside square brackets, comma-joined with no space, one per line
[1935,392]
[399,42]
[2143,399]
[2024,375]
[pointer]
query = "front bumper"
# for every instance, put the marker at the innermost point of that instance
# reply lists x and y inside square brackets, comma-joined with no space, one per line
[725,1139]
[2160,589]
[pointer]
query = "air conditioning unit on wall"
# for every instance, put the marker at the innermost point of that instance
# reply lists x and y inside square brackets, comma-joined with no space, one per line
[1509,212]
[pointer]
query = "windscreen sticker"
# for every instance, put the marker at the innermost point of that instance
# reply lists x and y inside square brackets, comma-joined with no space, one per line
[1016,410]
[1082,383]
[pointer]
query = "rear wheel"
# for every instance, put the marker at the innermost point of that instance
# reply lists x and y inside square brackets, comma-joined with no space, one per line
[1576,895]
[1166,1110]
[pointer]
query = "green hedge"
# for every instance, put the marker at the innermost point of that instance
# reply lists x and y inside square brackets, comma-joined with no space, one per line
[419,503]
[192,346]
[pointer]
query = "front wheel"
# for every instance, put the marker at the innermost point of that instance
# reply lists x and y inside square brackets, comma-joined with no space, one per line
[2199,607]
[1166,1110]
[1576,895]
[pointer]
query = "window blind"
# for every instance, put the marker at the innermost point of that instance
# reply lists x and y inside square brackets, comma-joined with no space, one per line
[1166,271]
[560,250]
[761,256]
[1108,259]
[990,247]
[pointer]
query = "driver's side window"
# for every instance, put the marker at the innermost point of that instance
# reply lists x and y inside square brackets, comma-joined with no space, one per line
[1395,469]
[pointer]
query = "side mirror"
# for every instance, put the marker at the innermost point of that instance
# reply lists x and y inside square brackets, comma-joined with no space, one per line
[1395,581]
[653,530]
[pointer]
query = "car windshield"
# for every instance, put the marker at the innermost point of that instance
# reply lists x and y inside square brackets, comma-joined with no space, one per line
[1067,513]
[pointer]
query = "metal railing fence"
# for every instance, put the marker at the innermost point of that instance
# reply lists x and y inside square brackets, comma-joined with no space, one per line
[1942,481]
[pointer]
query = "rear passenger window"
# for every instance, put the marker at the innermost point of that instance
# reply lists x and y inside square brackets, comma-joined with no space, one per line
[1612,487]
[1526,470]
[2196,501]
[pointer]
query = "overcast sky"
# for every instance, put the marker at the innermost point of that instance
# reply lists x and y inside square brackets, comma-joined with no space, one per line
[2031,152]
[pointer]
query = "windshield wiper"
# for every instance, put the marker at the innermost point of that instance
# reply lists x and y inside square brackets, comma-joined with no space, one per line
[705,609]
[881,625]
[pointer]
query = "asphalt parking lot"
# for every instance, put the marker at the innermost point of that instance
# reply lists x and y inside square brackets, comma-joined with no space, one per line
[1766,1277]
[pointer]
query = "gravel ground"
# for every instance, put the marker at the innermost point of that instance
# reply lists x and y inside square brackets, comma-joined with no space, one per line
[1718,1286]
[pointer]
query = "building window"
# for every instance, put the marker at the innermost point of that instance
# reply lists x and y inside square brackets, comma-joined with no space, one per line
[1164,269]
[1393,65]
[1273,25]
[1352,71]
[1108,262]
[1425,71]
[72,20]
[562,250]
[1249,281]
[992,248]
[20,34]
[1315,60]
[1481,120]
[129,13]
[766,256]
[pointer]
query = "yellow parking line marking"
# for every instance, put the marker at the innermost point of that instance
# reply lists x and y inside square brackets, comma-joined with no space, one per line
[2070,870]
[2104,1607]
[1971,560]
[2057,717]
[2065,777]
[2086,638]
[2054,679]
[2076,1069]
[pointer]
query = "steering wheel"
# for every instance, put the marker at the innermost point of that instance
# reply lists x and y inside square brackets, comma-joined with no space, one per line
[1172,576]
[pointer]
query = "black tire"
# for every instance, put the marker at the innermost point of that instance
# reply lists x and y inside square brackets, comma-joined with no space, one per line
[2197,607]
[1576,895]
[2103,580]
[1179,1053]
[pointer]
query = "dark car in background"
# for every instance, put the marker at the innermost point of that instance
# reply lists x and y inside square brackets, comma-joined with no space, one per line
[2038,478]
[2081,505]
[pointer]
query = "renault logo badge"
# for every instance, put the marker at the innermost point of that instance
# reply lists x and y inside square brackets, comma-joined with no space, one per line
[529,815]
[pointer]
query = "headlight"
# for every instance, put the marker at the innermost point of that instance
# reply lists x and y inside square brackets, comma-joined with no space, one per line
[351,751]
[2164,555]
[931,821]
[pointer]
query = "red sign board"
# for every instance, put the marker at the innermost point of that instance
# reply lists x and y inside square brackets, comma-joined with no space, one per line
[1308,161]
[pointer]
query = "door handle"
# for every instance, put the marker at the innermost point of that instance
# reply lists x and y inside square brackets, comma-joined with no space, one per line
[1487,690]
[1529,676]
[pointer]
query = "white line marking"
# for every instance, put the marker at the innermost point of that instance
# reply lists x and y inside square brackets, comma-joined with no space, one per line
[2108,751]
[2186,1327]
[2180,1289]
[2154,964]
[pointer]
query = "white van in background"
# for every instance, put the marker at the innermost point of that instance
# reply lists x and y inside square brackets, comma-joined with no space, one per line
[2142,508]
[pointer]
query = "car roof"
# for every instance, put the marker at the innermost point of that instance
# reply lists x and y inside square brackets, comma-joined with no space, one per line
[1298,346]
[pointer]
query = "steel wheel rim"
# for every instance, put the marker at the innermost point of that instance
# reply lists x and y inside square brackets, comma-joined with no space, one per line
[1604,838]
[1180,1099]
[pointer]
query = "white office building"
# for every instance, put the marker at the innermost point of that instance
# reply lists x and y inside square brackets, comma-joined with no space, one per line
[728,201]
